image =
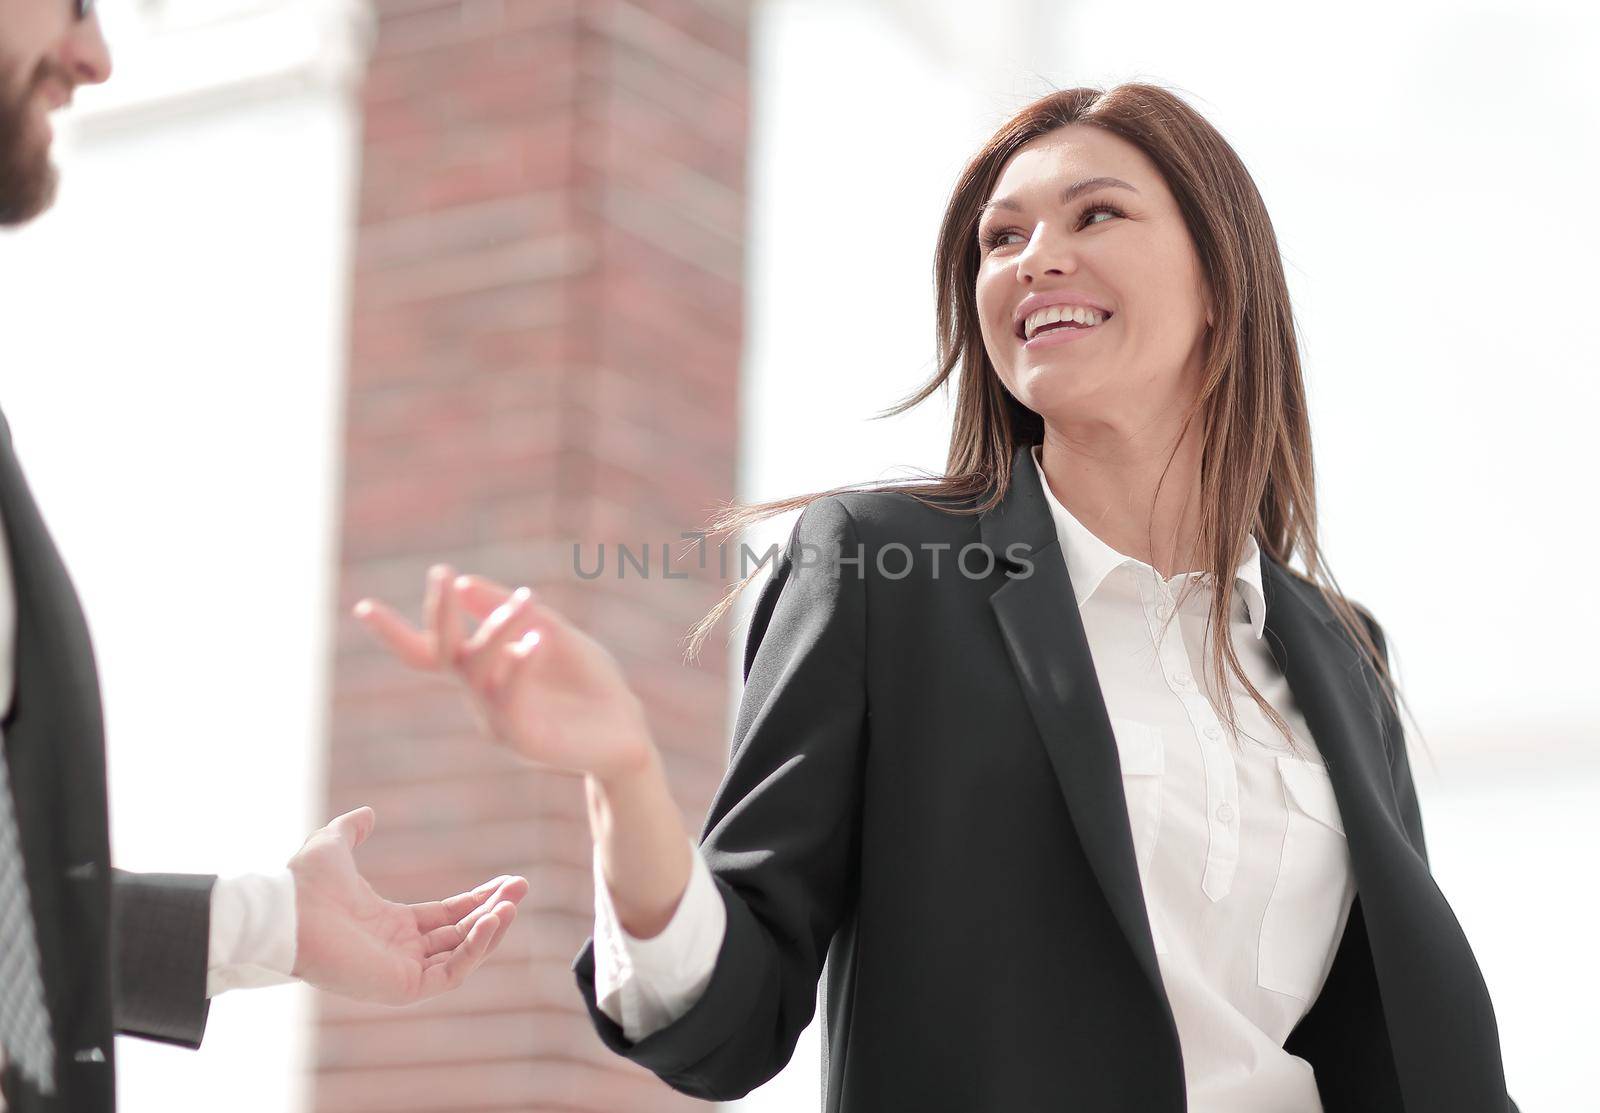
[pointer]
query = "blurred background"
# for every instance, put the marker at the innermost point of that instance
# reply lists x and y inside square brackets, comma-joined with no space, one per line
[337,289]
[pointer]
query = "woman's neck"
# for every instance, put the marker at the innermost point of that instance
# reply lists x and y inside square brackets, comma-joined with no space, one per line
[1107,477]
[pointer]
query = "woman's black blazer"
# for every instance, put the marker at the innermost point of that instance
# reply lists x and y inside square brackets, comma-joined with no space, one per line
[924,807]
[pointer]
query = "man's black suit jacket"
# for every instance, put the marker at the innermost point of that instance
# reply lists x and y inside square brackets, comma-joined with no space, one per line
[924,791]
[122,952]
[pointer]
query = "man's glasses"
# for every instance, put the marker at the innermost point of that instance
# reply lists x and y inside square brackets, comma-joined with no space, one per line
[84,8]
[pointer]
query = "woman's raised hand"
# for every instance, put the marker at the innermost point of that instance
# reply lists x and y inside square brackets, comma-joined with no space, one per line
[538,684]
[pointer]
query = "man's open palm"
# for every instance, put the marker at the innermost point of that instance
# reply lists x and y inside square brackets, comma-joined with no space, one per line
[352,942]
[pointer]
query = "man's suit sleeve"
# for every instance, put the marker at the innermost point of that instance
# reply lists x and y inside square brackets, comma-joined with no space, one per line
[160,938]
[782,835]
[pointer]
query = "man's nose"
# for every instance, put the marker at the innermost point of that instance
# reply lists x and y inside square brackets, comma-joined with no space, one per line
[85,54]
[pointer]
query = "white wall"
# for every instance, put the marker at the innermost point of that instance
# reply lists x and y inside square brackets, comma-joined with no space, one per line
[174,352]
[1428,169]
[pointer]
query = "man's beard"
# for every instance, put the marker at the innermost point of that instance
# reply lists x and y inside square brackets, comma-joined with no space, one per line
[27,176]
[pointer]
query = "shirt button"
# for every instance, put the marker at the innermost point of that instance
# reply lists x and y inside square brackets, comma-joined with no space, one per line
[1213,731]
[1183,679]
[1224,812]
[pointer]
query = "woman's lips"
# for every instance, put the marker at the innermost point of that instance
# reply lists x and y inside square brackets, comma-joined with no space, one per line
[1064,335]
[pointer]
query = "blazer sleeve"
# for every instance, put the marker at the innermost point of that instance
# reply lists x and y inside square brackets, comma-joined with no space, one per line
[1405,788]
[783,832]
[161,931]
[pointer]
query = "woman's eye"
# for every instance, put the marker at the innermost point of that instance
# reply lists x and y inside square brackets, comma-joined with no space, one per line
[991,240]
[1102,207]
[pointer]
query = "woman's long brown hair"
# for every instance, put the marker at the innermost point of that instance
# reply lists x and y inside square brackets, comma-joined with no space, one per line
[1256,472]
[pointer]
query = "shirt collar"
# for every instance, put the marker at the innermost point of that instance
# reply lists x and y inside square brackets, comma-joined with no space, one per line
[1090,560]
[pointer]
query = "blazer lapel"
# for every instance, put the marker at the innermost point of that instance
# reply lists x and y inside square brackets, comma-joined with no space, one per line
[54,739]
[1050,653]
[1419,952]
[1435,1002]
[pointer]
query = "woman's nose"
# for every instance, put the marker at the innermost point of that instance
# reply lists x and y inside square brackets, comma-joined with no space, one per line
[1045,254]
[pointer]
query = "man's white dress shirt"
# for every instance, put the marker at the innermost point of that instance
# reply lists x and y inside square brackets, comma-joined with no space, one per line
[252,938]
[1241,851]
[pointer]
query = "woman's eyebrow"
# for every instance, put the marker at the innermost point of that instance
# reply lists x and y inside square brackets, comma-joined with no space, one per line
[1082,185]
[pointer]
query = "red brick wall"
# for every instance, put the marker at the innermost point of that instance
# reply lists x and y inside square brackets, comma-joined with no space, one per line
[546,326]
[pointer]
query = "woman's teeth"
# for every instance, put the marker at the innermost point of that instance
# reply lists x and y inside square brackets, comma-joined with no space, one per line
[1063,316]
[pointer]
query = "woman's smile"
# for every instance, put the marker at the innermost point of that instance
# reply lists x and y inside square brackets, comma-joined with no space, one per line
[1048,336]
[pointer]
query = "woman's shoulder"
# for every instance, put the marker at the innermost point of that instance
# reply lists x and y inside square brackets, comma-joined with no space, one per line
[886,516]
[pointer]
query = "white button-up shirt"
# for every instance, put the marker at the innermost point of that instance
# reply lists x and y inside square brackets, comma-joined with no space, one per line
[1240,847]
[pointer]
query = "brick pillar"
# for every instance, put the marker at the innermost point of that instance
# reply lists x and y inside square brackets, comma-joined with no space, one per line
[544,351]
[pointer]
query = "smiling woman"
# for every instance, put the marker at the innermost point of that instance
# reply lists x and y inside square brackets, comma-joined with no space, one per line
[1136,247]
[1048,840]
[1068,790]
[1126,203]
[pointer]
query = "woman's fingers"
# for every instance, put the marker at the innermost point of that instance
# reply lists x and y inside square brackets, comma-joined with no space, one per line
[443,638]
[480,595]
[443,614]
[507,639]
[405,641]
[485,658]
[430,608]
[481,654]
[502,620]
[514,655]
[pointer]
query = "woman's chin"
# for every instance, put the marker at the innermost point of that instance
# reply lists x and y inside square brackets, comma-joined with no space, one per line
[1050,366]
[1047,388]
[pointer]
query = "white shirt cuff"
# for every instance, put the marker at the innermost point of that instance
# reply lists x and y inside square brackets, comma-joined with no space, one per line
[252,931]
[646,984]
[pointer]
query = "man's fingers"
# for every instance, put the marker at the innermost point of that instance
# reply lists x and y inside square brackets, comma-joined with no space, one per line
[452,970]
[441,916]
[437,913]
[450,936]
[354,826]
[515,888]
[503,913]
[405,641]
